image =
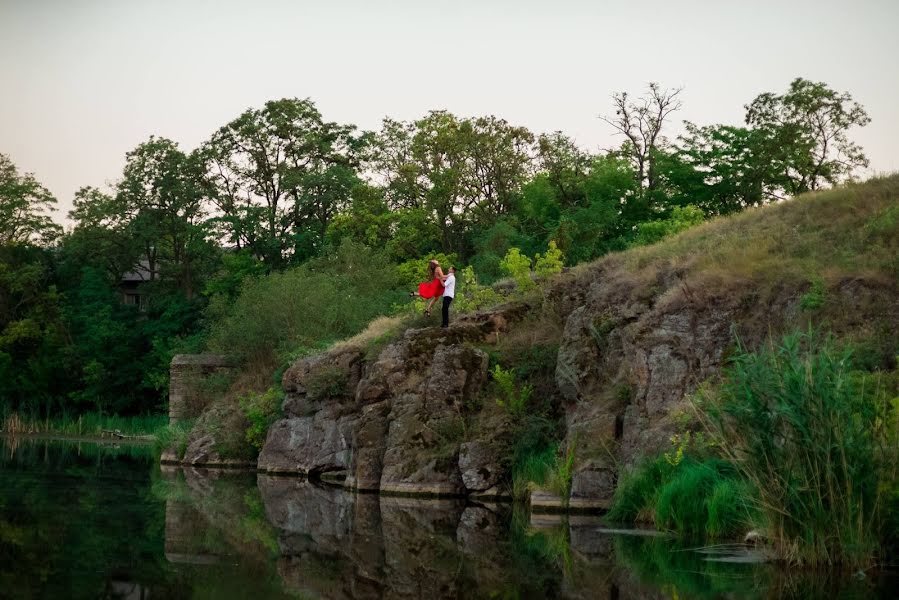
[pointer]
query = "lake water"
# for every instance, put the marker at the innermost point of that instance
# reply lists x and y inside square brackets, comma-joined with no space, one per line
[85,520]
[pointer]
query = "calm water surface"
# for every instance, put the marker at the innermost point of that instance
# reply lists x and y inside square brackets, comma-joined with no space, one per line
[84,520]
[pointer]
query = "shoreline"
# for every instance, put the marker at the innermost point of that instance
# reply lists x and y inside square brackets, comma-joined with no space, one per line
[77,438]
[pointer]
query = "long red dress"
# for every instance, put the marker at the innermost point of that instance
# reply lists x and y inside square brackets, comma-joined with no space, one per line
[431,289]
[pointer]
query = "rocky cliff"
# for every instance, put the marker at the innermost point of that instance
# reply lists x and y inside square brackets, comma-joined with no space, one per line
[637,333]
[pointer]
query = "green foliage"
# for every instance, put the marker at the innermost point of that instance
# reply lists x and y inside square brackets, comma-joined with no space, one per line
[681,218]
[174,436]
[471,295]
[510,395]
[261,411]
[24,204]
[550,263]
[328,382]
[327,299]
[815,298]
[696,498]
[518,266]
[813,437]
[533,464]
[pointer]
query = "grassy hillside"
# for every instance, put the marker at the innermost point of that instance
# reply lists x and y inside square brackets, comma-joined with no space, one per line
[831,256]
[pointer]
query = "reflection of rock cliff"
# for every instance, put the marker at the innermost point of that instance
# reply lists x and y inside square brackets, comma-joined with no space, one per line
[334,544]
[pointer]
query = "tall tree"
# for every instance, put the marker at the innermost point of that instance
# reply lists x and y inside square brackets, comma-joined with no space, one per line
[24,204]
[278,175]
[808,125]
[641,122]
[460,171]
[162,196]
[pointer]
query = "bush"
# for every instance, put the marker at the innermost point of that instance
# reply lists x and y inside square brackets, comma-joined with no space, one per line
[324,300]
[510,395]
[549,263]
[681,218]
[518,266]
[471,295]
[174,436]
[814,438]
[261,411]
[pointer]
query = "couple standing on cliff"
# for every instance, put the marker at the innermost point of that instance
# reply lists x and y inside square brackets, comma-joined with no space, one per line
[438,286]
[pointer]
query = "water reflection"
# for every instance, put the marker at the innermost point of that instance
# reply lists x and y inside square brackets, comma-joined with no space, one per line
[104,521]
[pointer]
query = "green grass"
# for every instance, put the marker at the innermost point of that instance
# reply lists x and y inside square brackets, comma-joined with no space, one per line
[695,498]
[86,425]
[173,435]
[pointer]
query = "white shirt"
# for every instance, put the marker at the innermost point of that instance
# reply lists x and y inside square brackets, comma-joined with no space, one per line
[449,286]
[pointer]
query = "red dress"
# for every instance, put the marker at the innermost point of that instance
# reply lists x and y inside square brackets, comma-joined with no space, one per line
[431,289]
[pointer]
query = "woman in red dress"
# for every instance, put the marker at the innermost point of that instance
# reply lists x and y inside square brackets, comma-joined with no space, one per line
[433,288]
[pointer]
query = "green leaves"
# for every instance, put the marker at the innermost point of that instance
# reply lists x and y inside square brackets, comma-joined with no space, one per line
[24,203]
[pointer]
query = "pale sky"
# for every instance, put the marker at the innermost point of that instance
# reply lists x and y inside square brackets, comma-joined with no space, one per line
[85,81]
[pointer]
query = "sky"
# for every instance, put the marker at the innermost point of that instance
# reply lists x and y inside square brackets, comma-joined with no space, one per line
[82,82]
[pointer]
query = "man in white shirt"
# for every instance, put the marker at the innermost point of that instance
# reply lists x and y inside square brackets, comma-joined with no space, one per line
[449,292]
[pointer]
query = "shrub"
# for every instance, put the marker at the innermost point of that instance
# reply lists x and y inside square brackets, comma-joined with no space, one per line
[261,411]
[814,439]
[471,295]
[518,266]
[814,298]
[511,396]
[329,382]
[549,263]
[693,497]
[324,300]
[681,218]
[174,436]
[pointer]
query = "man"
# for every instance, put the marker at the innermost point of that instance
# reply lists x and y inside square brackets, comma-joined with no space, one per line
[449,292]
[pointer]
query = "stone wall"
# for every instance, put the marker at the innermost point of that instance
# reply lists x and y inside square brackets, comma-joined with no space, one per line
[186,374]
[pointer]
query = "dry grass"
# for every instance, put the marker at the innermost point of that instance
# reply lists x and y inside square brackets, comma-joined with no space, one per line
[380,328]
[845,231]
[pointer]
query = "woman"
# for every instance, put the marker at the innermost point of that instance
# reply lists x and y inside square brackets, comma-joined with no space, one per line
[433,288]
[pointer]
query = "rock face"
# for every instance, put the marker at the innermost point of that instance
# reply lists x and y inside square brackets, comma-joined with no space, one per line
[635,345]
[395,424]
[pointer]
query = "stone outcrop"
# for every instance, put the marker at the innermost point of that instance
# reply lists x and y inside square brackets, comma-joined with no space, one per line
[636,343]
[395,424]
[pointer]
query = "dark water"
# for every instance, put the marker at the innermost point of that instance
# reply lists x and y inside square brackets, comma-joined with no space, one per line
[94,521]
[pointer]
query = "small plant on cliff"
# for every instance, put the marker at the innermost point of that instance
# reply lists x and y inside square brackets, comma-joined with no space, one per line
[261,411]
[329,382]
[510,395]
[174,436]
[471,295]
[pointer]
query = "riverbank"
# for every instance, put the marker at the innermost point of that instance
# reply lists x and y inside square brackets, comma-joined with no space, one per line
[88,425]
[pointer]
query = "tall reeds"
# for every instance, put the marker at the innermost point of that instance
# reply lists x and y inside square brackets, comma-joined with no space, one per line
[816,440]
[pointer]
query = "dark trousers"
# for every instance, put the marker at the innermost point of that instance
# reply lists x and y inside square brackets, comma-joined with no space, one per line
[446,303]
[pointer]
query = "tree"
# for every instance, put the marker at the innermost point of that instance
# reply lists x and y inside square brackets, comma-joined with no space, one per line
[808,125]
[720,168]
[564,165]
[460,171]
[641,122]
[278,175]
[162,197]
[23,204]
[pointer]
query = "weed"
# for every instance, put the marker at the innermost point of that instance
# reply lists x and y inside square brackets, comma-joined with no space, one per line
[814,298]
